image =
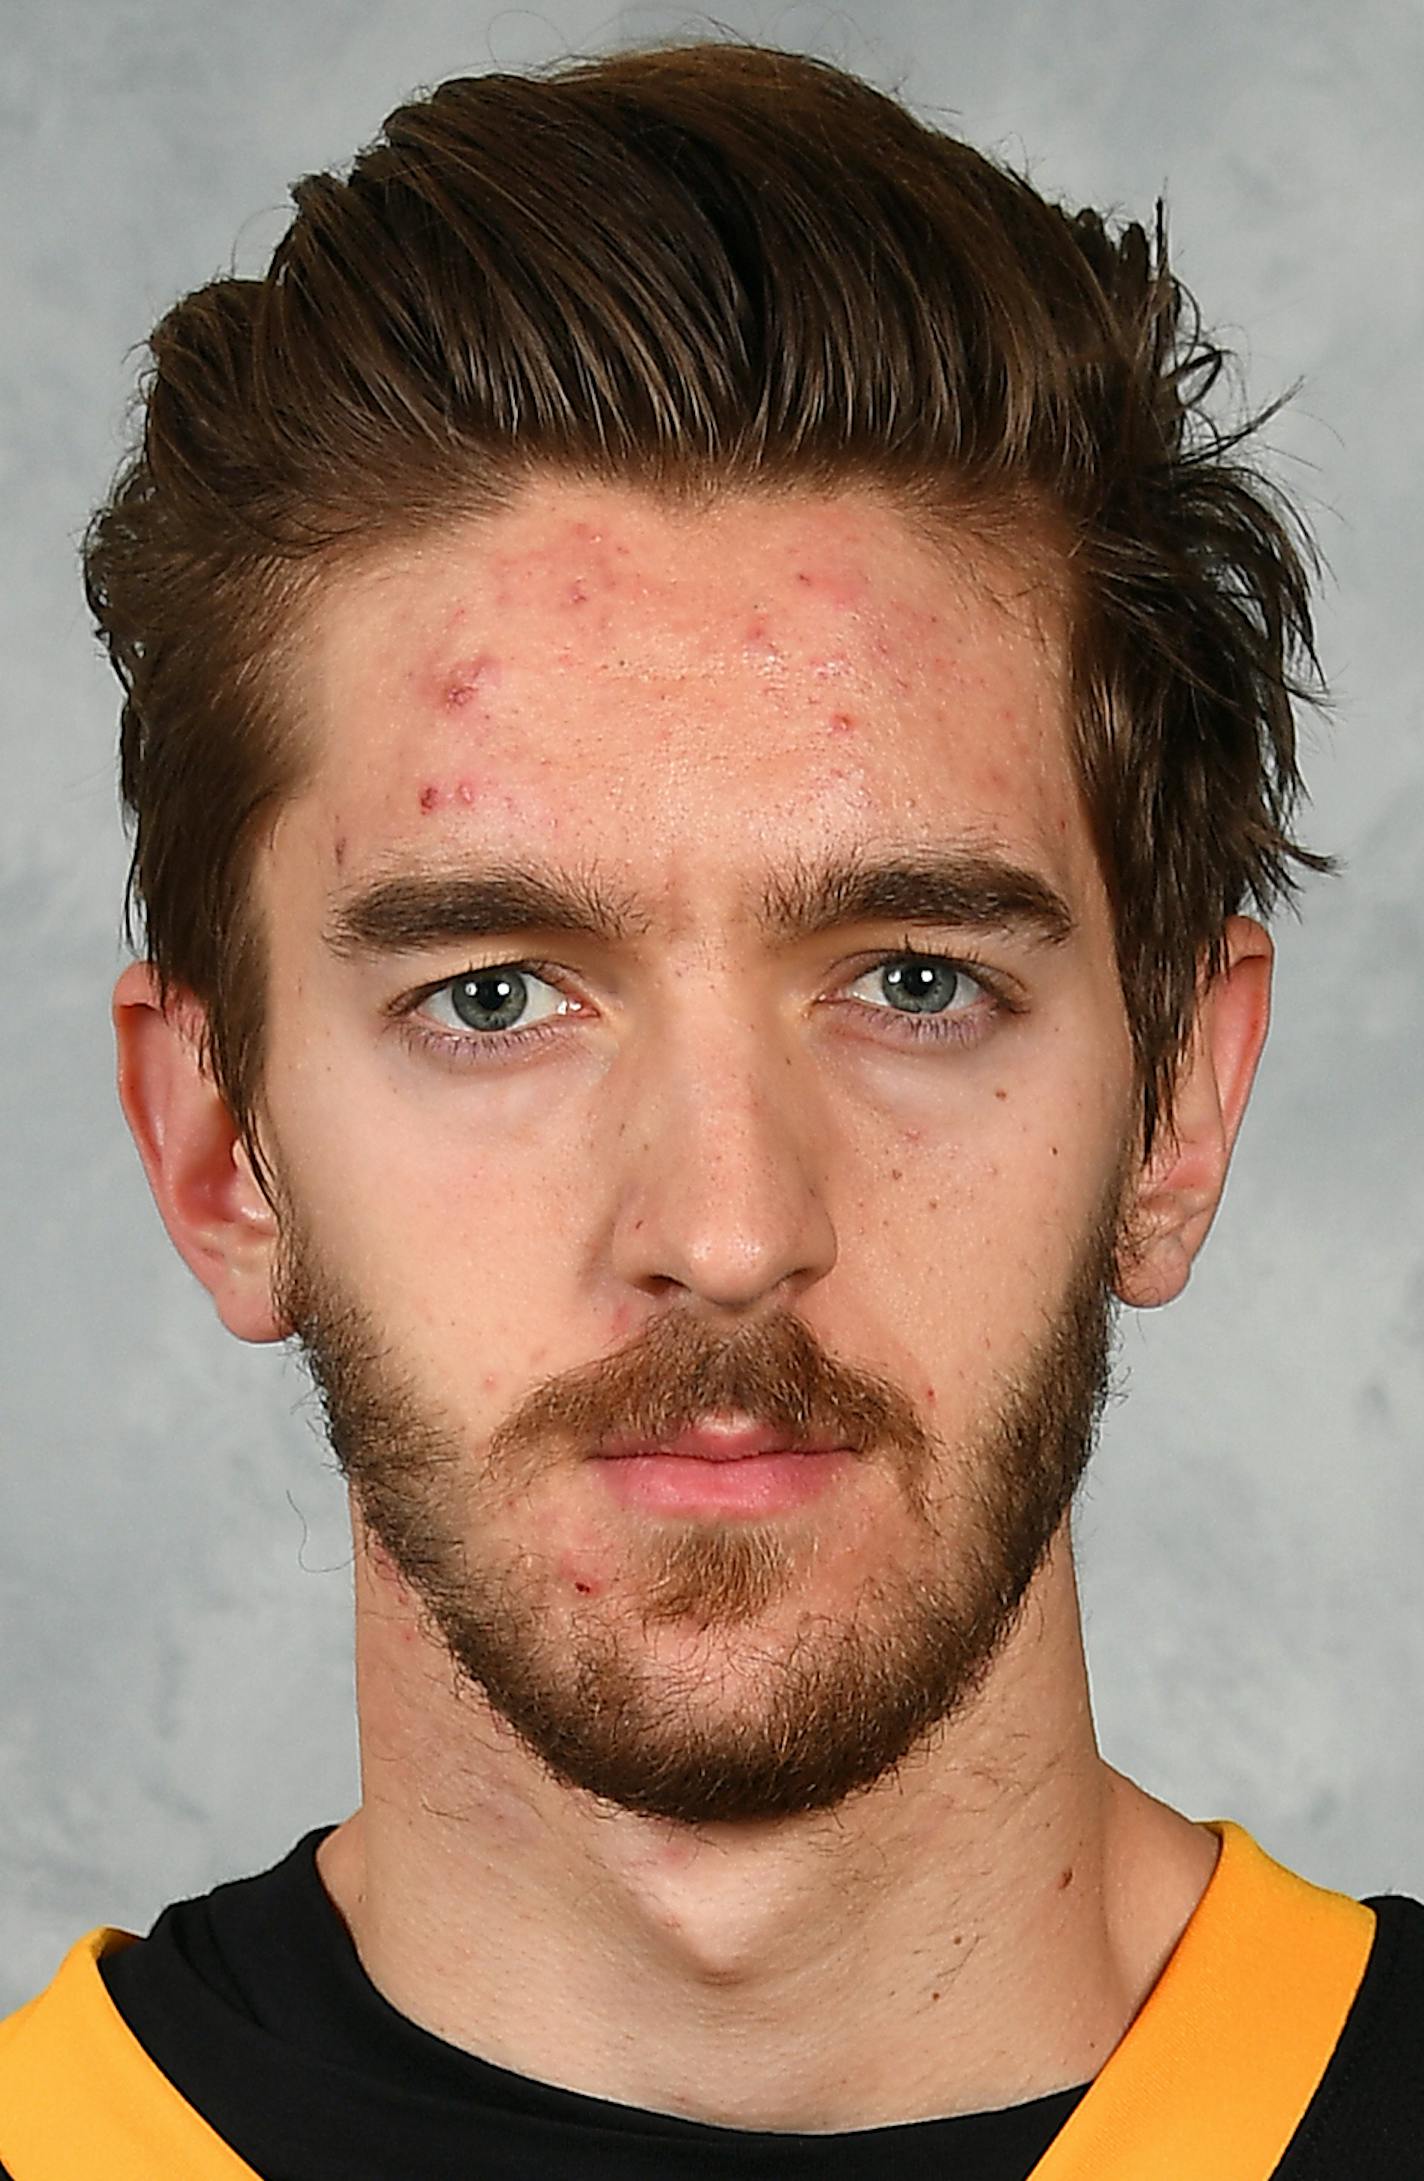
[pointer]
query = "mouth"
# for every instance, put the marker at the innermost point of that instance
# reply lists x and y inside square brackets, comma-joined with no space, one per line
[722,1470]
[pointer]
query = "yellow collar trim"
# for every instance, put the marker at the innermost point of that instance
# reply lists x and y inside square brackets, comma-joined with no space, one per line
[79,2096]
[1217,2069]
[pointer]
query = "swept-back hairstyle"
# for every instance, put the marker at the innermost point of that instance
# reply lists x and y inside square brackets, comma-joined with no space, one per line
[704,269]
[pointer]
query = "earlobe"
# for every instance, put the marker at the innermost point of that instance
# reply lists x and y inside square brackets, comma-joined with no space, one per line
[207,1195]
[1180,1185]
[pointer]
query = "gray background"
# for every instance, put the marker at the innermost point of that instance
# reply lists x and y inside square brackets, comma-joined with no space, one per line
[174,1567]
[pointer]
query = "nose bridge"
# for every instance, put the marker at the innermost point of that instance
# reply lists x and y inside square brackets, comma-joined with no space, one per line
[720,1183]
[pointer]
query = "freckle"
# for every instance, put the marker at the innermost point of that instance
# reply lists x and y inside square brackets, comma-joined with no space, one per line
[958,1939]
[1054,1149]
[896,1174]
[340,850]
[842,723]
[1066,1879]
[801,576]
[1001,1094]
[934,1204]
[934,1995]
[429,797]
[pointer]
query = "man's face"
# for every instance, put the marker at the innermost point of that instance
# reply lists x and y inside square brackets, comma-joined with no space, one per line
[694,1033]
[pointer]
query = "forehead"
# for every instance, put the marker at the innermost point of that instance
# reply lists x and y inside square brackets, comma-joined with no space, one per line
[671,692]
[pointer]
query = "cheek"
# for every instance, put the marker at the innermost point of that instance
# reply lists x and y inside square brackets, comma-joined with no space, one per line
[968,1215]
[447,1220]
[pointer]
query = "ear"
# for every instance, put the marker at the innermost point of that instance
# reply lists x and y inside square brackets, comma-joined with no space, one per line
[1180,1184]
[217,1218]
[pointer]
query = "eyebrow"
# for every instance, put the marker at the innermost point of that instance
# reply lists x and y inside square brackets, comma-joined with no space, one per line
[969,889]
[973,889]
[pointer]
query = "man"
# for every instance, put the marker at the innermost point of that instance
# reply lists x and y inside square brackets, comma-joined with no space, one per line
[709,725]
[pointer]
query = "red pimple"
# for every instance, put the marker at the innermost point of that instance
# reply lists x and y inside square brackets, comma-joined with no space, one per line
[577,593]
[842,723]
[579,1577]
[465,792]
[429,798]
[469,678]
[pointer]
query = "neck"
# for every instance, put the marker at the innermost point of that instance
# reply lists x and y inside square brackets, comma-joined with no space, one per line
[976,1931]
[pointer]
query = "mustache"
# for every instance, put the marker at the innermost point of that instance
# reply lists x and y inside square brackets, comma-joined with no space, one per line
[679,1370]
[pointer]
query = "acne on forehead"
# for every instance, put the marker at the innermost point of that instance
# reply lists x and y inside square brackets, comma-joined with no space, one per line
[468,681]
[580,564]
[539,644]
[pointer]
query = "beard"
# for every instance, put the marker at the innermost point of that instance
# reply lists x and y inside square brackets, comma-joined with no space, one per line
[694,1689]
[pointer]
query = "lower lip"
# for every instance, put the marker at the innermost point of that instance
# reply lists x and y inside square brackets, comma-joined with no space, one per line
[756,1484]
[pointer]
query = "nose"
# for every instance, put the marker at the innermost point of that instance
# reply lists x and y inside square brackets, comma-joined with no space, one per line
[720,1167]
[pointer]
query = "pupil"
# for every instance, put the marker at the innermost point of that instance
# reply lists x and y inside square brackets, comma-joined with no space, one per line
[920,988]
[493,1001]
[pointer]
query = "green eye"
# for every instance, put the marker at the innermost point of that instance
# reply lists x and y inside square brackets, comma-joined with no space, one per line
[919,984]
[489,1001]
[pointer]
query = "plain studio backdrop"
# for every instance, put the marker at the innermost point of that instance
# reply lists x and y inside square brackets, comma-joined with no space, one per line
[176,1703]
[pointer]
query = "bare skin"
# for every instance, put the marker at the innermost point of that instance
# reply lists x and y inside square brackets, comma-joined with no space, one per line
[716,1118]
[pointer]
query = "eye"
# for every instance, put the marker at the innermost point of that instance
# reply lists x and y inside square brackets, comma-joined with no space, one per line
[920,984]
[490,1001]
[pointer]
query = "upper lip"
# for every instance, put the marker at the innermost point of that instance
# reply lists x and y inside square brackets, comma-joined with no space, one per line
[714,1442]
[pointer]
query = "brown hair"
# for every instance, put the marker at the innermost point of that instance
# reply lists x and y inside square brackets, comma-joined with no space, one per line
[700,269]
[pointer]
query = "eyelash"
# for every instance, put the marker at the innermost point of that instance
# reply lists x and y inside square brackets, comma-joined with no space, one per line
[481,1048]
